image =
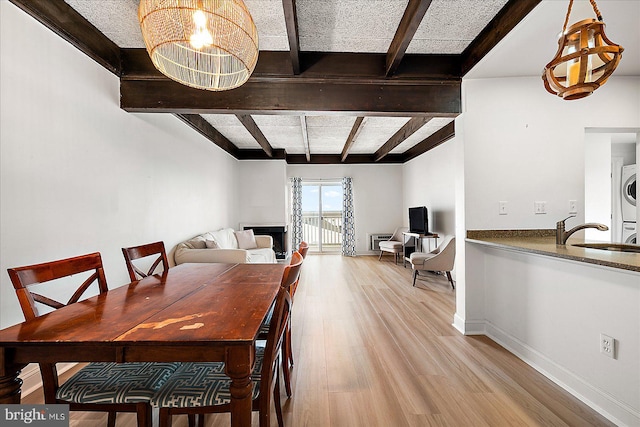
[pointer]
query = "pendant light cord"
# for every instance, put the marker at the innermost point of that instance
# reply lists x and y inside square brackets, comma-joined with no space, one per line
[595,10]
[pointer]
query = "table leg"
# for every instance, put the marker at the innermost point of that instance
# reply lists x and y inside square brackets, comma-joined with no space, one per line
[238,367]
[10,385]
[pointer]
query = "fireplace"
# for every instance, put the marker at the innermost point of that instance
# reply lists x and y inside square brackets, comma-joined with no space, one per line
[279,235]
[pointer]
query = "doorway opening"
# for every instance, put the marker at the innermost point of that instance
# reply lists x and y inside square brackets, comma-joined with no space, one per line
[322,215]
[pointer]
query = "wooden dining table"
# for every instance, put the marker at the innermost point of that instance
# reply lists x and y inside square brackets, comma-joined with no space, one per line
[190,313]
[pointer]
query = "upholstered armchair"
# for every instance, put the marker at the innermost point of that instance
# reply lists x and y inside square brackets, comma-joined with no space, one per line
[440,259]
[394,244]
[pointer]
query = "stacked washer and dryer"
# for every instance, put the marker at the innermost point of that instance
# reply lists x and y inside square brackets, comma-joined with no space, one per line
[628,204]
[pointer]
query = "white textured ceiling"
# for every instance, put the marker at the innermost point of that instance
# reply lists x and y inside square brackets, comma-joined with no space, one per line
[369,26]
[327,134]
[324,25]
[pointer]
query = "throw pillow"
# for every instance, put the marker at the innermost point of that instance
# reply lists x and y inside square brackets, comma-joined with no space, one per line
[211,244]
[246,239]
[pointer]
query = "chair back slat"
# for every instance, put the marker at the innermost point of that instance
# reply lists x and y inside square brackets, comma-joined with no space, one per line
[23,277]
[144,251]
[291,272]
[46,301]
[82,289]
[303,248]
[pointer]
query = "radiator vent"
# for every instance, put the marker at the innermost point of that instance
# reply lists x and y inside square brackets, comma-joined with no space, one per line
[375,238]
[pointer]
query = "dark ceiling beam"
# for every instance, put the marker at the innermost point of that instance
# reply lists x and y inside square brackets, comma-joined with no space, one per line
[64,21]
[413,14]
[424,85]
[508,17]
[294,97]
[250,124]
[332,159]
[251,154]
[275,66]
[291,21]
[405,132]
[305,137]
[352,137]
[439,137]
[204,128]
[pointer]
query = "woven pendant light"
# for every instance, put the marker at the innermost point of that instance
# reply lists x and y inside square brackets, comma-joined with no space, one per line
[585,58]
[206,44]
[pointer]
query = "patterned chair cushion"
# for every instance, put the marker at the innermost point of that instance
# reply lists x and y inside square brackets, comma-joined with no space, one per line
[264,328]
[116,382]
[203,384]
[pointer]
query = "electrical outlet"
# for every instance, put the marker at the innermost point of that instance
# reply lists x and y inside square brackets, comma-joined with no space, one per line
[502,208]
[607,346]
[573,206]
[539,208]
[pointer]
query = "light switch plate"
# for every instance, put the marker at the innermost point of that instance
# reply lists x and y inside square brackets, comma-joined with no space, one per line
[502,208]
[539,207]
[573,206]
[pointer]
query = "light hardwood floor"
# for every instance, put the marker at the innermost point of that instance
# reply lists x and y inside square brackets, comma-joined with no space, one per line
[371,350]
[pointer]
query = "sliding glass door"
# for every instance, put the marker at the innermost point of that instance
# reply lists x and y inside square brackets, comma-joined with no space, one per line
[322,215]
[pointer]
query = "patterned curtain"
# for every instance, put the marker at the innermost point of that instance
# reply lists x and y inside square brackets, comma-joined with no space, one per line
[296,212]
[348,219]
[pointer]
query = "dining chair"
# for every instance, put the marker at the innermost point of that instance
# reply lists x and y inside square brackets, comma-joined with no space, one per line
[440,259]
[143,251]
[103,387]
[289,280]
[303,248]
[202,387]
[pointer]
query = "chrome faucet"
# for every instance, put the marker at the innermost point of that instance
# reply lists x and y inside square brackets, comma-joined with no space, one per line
[562,236]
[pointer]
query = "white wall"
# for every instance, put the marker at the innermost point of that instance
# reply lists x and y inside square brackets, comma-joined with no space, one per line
[377,195]
[430,180]
[262,192]
[79,175]
[524,145]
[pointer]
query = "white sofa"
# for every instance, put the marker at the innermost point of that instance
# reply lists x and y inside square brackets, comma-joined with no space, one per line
[222,246]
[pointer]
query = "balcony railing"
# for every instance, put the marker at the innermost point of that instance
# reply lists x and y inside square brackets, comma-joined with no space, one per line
[328,229]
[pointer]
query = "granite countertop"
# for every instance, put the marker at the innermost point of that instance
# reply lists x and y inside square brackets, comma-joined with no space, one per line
[543,242]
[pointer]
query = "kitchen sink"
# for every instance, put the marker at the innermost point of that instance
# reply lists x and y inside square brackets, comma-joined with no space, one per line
[617,247]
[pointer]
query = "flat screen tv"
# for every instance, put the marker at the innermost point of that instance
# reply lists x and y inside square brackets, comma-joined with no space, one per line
[418,220]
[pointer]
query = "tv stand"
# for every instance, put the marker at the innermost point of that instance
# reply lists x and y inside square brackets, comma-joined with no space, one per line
[411,239]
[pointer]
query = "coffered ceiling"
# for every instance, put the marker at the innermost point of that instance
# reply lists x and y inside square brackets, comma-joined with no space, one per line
[355,81]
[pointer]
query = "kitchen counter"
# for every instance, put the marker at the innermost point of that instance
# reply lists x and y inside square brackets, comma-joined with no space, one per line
[543,242]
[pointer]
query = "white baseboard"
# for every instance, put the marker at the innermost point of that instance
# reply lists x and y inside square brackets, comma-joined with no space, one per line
[469,327]
[599,400]
[458,323]
[31,379]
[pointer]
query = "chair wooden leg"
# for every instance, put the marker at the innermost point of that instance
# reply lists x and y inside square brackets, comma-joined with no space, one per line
[277,402]
[380,257]
[415,276]
[450,279]
[111,419]
[143,413]
[165,418]
[286,373]
[288,344]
